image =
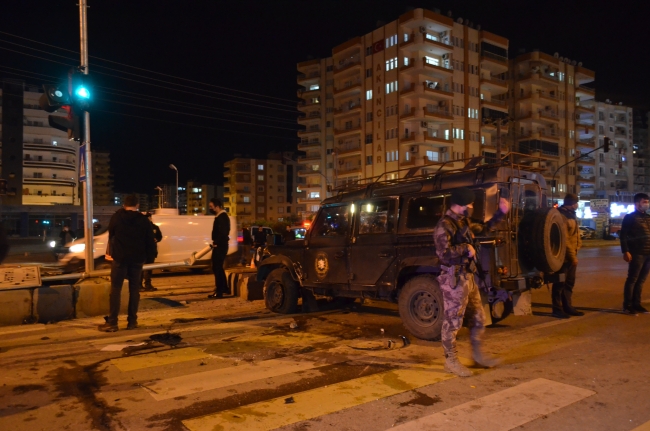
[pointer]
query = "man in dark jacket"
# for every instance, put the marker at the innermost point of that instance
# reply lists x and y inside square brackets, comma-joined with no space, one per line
[259,238]
[146,275]
[131,243]
[220,236]
[635,245]
[288,235]
[247,243]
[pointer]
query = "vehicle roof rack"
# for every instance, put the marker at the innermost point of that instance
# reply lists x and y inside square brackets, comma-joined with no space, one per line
[516,161]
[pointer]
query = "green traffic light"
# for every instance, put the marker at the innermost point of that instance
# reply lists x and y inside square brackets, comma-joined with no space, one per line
[83,93]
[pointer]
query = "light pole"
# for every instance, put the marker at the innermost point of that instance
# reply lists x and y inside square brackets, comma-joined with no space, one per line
[160,196]
[174,168]
[498,122]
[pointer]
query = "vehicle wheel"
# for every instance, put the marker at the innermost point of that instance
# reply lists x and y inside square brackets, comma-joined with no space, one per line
[542,236]
[421,307]
[281,292]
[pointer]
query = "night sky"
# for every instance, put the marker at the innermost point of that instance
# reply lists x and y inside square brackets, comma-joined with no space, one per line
[224,62]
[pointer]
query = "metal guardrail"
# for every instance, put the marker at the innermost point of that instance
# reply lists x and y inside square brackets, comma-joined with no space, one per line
[83,275]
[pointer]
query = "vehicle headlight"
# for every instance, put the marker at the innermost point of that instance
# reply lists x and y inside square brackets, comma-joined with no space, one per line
[52,244]
[77,248]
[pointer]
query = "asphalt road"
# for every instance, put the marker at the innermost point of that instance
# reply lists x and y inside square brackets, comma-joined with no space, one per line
[198,364]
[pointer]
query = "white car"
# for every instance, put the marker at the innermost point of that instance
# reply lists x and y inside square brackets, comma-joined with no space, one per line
[182,236]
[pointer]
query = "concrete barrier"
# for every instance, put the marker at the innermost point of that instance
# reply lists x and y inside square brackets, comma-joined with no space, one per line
[92,297]
[16,306]
[53,303]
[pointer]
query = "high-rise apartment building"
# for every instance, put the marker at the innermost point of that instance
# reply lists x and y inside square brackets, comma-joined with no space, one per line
[616,167]
[102,178]
[199,195]
[641,150]
[411,93]
[38,162]
[262,189]
[552,114]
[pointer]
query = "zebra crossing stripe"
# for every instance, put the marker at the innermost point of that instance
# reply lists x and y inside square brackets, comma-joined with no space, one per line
[156,359]
[275,413]
[644,427]
[223,377]
[503,410]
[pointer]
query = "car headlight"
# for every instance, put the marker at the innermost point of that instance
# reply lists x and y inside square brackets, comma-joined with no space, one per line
[77,248]
[52,244]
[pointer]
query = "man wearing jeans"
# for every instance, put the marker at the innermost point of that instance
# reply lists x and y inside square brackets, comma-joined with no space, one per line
[131,244]
[635,245]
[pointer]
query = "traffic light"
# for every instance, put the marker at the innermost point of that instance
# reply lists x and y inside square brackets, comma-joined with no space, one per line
[74,98]
[606,145]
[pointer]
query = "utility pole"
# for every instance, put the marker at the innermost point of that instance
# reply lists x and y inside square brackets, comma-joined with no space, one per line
[498,122]
[88,194]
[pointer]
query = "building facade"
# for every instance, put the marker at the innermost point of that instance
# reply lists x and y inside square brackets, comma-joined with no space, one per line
[102,178]
[38,162]
[262,189]
[411,93]
[641,150]
[616,167]
[199,195]
[552,116]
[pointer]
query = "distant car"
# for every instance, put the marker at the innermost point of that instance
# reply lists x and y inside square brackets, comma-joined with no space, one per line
[587,232]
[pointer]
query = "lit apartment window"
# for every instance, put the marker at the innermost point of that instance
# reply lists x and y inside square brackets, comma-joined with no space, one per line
[391,87]
[260,167]
[391,64]
[260,178]
[314,87]
[247,199]
[431,60]
[406,61]
[368,94]
[432,156]
[314,195]
[391,41]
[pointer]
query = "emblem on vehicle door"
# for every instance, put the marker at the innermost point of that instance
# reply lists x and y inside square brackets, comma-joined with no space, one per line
[322,265]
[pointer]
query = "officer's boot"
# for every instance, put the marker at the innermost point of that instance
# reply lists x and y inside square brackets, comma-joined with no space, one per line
[481,358]
[453,365]
[567,306]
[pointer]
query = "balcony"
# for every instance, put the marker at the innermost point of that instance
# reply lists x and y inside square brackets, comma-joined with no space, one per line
[310,117]
[541,116]
[348,88]
[347,109]
[348,150]
[581,107]
[304,78]
[347,66]
[436,139]
[243,203]
[308,104]
[541,135]
[582,178]
[437,114]
[495,104]
[586,160]
[540,97]
[588,143]
[347,131]
[308,172]
[348,170]
[309,158]
[436,92]
[494,85]
[585,93]
[309,131]
[429,42]
[495,63]
[308,145]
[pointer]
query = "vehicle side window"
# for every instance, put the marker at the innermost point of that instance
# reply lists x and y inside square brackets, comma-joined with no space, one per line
[425,211]
[331,221]
[377,217]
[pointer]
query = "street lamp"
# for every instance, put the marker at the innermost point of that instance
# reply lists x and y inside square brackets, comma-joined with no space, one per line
[160,196]
[174,168]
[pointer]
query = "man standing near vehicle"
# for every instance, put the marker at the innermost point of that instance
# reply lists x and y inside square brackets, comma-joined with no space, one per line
[146,275]
[131,244]
[220,236]
[635,245]
[562,292]
[288,235]
[453,240]
[67,235]
[247,243]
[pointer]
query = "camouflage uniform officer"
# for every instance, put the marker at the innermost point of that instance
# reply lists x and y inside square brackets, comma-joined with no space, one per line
[453,239]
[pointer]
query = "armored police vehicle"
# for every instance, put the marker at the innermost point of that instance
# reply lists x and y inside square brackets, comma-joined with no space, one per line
[375,240]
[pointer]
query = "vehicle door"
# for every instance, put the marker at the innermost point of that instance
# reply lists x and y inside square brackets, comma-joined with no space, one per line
[326,260]
[372,246]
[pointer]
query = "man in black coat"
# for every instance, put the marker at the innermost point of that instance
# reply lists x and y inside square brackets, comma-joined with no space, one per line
[146,275]
[247,243]
[131,243]
[220,236]
[635,245]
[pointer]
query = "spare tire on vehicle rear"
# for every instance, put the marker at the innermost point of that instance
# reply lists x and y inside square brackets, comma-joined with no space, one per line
[542,240]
